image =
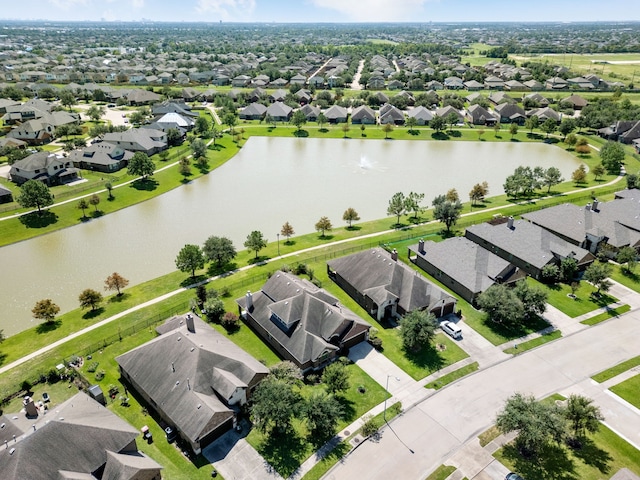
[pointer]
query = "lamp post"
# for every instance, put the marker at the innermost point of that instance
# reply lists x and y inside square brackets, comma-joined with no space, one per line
[384,412]
[278,235]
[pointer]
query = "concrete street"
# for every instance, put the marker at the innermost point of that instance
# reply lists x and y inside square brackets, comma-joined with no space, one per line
[445,423]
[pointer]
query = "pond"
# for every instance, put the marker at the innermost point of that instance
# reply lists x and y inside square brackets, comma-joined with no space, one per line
[270,181]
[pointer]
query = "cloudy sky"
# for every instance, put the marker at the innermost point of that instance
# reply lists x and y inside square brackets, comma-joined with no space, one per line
[321,10]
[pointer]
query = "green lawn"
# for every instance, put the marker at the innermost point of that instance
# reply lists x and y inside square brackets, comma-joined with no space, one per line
[604,454]
[617,370]
[441,473]
[583,303]
[626,278]
[453,376]
[489,435]
[534,342]
[629,390]
[601,317]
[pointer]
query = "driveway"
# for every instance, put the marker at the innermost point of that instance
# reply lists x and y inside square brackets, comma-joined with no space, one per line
[426,436]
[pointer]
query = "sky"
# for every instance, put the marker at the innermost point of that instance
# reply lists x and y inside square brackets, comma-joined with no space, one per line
[287,11]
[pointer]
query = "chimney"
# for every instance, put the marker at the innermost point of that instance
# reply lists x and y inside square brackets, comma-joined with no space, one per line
[588,207]
[394,255]
[249,300]
[510,223]
[595,205]
[190,323]
[421,246]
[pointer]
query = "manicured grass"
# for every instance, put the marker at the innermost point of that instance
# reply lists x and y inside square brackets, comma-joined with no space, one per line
[628,279]
[601,457]
[583,303]
[534,342]
[628,390]
[442,472]
[488,436]
[453,376]
[617,370]
[614,312]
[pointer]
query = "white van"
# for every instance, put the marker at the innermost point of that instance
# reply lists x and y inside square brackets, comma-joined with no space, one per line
[451,329]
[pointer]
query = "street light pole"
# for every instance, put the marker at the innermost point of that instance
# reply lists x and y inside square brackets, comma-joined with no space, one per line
[278,235]
[384,412]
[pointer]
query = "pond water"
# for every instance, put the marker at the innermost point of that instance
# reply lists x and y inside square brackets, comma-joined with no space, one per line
[270,181]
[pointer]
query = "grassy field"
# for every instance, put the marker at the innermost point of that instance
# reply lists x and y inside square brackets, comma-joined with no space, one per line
[617,370]
[629,390]
[452,376]
[584,302]
[533,343]
[442,472]
[489,435]
[603,455]
[628,279]
[601,317]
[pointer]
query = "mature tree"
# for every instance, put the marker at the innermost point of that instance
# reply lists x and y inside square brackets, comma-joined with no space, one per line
[109,188]
[478,193]
[83,205]
[502,306]
[438,123]
[387,128]
[67,99]
[532,122]
[452,195]
[633,181]
[397,206]
[141,165]
[184,167]
[536,423]
[451,119]
[35,194]
[598,171]
[571,140]
[322,413]
[274,405]
[202,125]
[597,274]
[412,203]
[551,176]
[214,308]
[198,148]
[628,257]
[322,119]
[579,175]
[299,119]
[95,112]
[448,213]
[45,310]
[174,137]
[568,269]
[90,298]
[550,273]
[190,259]
[95,201]
[287,372]
[219,250]
[230,119]
[583,416]
[336,378]
[417,329]
[287,231]
[137,117]
[534,299]
[549,126]
[567,126]
[350,215]
[513,130]
[255,242]
[411,123]
[496,128]
[612,156]
[115,281]
[323,225]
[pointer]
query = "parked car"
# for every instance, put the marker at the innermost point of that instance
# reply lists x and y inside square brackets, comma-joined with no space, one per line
[513,476]
[451,329]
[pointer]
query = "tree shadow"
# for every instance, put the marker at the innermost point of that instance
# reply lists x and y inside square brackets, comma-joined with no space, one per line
[323,130]
[215,269]
[284,452]
[146,184]
[290,242]
[455,133]
[97,214]
[514,140]
[353,228]
[594,456]
[521,329]
[552,463]
[84,219]
[119,298]
[47,327]
[326,237]
[301,133]
[634,277]
[439,136]
[39,220]
[217,147]
[348,408]
[191,280]
[258,260]
[93,313]
[413,132]
[3,357]
[427,357]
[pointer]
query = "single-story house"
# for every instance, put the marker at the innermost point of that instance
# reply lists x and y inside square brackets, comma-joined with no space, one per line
[539,100]
[278,96]
[614,223]
[623,131]
[386,288]
[444,112]
[147,140]
[363,115]
[5,195]
[494,83]
[390,114]
[298,79]
[463,266]
[556,83]
[257,94]
[478,115]
[453,83]
[304,96]
[498,98]
[279,112]
[80,440]
[303,323]
[180,108]
[46,167]
[576,101]
[422,115]
[528,246]
[311,112]
[515,86]
[336,114]
[545,114]
[195,378]
[473,85]
[102,157]
[254,111]
[511,113]
[142,97]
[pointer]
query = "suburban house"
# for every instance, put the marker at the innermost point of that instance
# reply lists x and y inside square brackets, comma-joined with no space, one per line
[498,98]
[311,112]
[142,97]
[478,115]
[386,288]
[42,129]
[278,96]
[537,99]
[493,83]
[336,114]
[80,440]
[556,83]
[303,323]
[624,131]
[174,120]
[5,195]
[101,157]
[180,108]
[614,223]
[195,378]
[444,112]
[46,167]
[422,115]
[511,113]
[390,114]
[363,115]
[576,101]
[279,112]
[463,266]
[544,114]
[526,245]
[253,111]
[145,140]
